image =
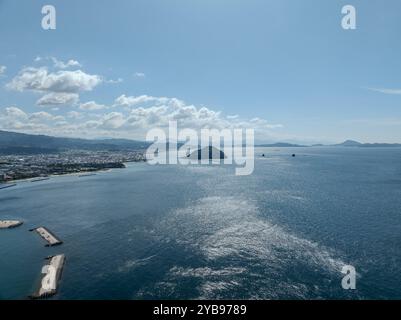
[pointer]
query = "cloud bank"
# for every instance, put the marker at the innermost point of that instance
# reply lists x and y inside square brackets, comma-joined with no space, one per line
[126,120]
[128,116]
[386,91]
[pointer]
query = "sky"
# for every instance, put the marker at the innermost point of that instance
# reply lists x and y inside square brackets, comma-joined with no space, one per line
[284,68]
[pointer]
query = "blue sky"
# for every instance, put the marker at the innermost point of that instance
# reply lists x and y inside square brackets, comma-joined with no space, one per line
[286,68]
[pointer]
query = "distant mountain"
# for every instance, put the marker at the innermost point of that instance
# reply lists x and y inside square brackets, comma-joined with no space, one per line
[381,145]
[280,145]
[20,143]
[352,143]
[349,143]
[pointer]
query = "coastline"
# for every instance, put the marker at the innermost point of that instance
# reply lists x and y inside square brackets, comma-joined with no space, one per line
[10,183]
[14,182]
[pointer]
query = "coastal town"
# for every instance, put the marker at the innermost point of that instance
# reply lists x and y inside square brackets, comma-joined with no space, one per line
[17,167]
[40,163]
[39,167]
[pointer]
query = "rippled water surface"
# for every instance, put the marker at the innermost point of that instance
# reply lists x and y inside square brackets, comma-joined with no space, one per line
[170,232]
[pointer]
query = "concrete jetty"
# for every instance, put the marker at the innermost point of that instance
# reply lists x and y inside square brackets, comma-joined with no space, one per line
[51,239]
[52,275]
[8,224]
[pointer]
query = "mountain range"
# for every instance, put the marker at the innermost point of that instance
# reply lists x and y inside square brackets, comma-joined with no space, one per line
[352,143]
[21,143]
[347,143]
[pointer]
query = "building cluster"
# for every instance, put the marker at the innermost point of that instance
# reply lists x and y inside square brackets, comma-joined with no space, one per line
[15,167]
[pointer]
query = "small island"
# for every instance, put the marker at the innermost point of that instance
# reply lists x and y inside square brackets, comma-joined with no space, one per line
[207,153]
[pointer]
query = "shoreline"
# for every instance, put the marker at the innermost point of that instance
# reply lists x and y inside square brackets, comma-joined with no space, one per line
[11,183]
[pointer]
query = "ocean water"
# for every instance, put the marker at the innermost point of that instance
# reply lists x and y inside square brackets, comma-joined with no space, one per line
[178,232]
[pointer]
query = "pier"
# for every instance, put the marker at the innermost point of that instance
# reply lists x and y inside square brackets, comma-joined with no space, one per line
[50,282]
[8,224]
[51,239]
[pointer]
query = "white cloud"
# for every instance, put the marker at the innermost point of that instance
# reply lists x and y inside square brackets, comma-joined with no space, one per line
[59,64]
[263,123]
[64,65]
[138,115]
[130,101]
[60,87]
[386,91]
[39,79]
[44,116]
[139,75]
[74,115]
[146,112]
[113,120]
[15,113]
[119,80]
[91,124]
[92,105]
[13,118]
[58,98]
[2,70]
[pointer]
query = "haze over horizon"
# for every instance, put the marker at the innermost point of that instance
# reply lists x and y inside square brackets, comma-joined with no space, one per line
[286,69]
[348,142]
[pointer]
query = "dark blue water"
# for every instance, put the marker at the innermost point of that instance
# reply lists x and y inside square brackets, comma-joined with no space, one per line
[174,232]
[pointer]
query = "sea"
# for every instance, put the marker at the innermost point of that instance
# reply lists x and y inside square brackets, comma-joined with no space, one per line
[201,232]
